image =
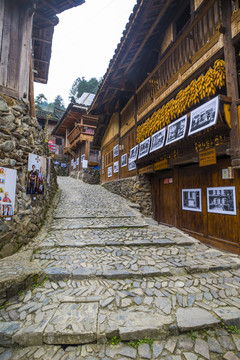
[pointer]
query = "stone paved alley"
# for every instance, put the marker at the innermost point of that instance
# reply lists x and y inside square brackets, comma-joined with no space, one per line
[118,286]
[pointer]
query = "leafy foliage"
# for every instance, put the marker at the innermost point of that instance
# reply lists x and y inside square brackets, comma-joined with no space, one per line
[82,85]
[41,103]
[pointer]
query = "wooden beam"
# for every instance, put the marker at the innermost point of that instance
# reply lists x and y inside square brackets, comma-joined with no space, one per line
[159,17]
[31,90]
[48,4]
[44,18]
[42,61]
[42,40]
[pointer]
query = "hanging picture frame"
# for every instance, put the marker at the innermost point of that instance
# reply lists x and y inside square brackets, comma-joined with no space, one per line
[176,130]
[204,116]
[157,140]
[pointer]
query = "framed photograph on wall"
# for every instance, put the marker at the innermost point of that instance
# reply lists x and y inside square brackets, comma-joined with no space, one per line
[110,171]
[36,174]
[8,178]
[116,151]
[115,167]
[176,130]
[131,165]
[133,153]
[124,160]
[158,140]
[222,200]
[204,116]
[192,199]
[144,147]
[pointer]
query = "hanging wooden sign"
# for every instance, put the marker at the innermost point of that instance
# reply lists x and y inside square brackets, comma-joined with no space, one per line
[161,165]
[146,169]
[207,157]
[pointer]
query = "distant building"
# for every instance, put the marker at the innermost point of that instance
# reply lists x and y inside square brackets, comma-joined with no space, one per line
[48,120]
[77,129]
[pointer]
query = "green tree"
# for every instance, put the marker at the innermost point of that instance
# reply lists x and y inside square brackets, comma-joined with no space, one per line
[40,101]
[82,85]
[58,102]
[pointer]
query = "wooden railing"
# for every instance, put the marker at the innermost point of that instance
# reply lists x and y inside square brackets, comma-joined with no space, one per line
[80,130]
[197,34]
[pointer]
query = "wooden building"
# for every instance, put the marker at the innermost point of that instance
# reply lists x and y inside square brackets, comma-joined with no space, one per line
[48,121]
[26,32]
[77,128]
[169,104]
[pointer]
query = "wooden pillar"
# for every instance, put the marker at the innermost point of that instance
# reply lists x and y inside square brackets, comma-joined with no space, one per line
[119,143]
[31,90]
[86,150]
[135,127]
[231,81]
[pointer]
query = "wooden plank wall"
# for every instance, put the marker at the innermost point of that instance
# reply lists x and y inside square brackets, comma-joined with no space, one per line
[218,230]
[15,48]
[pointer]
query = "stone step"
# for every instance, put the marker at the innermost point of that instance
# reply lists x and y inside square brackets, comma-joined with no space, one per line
[115,237]
[213,344]
[129,309]
[131,262]
[97,223]
[74,323]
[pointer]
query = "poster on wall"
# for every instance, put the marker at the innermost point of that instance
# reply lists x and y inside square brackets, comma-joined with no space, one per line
[204,116]
[102,164]
[133,153]
[144,147]
[176,130]
[63,165]
[116,150]
[158,140]
[115,167]
[221,200]
[72,161]
[110,171]
[77,161]
[7,191]
[192,199]
[124,160]
[131,165]
[36,174]
[74,165]
[84,164]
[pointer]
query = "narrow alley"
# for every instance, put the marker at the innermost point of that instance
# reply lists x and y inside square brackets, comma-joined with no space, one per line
[119,286]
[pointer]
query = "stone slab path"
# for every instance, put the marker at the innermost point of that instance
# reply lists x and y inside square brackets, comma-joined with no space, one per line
[118,286]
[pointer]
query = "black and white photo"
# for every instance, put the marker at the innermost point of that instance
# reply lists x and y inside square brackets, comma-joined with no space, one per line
[192,199]
[204,116]
[158,140]
[116,150]
[144,147]
[176,130]
[131,165]
[110,171]
[115,167]
[124,160]
[222,200]
[133,153]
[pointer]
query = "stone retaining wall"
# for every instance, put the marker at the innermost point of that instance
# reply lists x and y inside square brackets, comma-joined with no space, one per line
[90,176]
[19,136]
[135,190]
[61,171]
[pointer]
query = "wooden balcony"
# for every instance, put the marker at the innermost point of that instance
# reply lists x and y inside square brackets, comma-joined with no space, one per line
[80,133]
[197,44]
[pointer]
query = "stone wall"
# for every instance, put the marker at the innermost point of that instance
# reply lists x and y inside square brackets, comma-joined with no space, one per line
[19,136]
[90,176]
[135,190]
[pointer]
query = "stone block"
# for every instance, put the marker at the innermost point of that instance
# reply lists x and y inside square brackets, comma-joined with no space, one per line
[194,318]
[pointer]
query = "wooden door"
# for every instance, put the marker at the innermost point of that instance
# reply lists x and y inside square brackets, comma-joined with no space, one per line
[164,199]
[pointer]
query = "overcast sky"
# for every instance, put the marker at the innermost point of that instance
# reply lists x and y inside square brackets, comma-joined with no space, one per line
[83,44]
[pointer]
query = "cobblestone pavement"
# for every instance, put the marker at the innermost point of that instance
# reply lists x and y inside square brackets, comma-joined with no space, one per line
[119,286]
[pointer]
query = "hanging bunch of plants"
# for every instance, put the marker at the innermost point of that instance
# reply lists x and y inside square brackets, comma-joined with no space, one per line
[206,85]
